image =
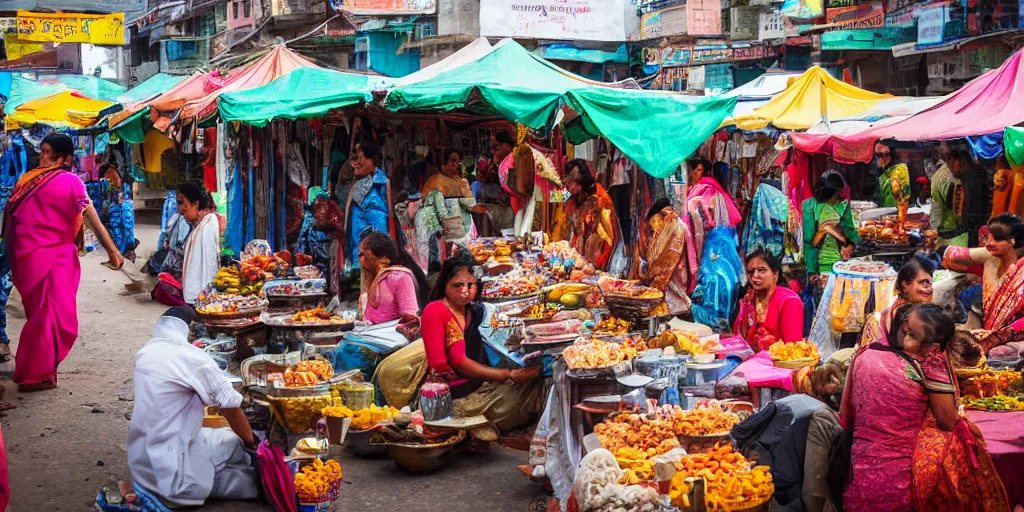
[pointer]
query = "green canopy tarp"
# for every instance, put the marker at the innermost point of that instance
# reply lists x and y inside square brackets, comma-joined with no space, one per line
[303,93]
[156,84]
[1013,143]
[92,86]
[657,130]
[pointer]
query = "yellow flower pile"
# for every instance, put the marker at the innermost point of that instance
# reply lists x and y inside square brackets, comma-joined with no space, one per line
[783,351]
[313,483]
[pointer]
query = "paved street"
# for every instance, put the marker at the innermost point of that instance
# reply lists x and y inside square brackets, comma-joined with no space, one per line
[64,445]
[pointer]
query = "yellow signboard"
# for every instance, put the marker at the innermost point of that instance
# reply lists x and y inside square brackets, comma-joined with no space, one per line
[66,27]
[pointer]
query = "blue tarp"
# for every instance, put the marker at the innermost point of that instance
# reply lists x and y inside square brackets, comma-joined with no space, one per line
[565,51]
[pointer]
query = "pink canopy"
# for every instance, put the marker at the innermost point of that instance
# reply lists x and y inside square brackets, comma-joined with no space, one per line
[199,98]
[987,104]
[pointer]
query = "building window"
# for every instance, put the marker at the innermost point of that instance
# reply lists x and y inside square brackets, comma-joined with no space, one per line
[245,8]
[234,10]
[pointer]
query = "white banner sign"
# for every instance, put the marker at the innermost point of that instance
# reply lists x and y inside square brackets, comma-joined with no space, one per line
[585,20]
[930,25]
[771,26]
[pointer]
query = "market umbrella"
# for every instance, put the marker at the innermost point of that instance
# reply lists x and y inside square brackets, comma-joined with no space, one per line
[303,93]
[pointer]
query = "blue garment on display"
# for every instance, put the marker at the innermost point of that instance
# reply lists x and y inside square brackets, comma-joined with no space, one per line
[369,210]
[718,278]
[986,146]
[235,196]
[769,217]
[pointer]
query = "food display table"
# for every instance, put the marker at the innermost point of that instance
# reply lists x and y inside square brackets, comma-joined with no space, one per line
[1005,440]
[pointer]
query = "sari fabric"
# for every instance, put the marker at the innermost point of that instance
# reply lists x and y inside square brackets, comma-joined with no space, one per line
[594,227]
[712,202]
[885,403]
[783,317]
[953,471]
[672,262]
[1001,295]
[43,222]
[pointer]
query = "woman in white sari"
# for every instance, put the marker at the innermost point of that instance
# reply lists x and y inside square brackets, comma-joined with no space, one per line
[202,248]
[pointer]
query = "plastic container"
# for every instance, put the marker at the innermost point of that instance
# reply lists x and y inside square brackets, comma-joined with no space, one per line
[356,395]
[435,401]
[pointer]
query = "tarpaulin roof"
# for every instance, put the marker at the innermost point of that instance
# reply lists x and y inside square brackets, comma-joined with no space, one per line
[65,109]
[305,92]
[838,138]
[811,98]
[469,53]
[191,87]
[24,89]
[152,86]
[987,104]
[92,86]
[275,64]
[656,130]
[759,91]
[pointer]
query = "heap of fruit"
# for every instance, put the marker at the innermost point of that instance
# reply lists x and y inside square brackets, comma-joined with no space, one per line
[366,418]
[783,351]
[992,383]
[592,353]
[612,325]
[261,267]
[993,403]
[731,483]
[635,439]
[684,342]
[212,302]
[513,285]
[569,295]
[337,411]
[315,316]
[313,484]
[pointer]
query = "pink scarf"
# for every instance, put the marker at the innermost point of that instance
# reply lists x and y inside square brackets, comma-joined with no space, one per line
[734,213]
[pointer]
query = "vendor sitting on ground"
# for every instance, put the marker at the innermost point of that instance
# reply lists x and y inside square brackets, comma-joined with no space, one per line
[392,284]
[776,309]
[453,351]
[170,453]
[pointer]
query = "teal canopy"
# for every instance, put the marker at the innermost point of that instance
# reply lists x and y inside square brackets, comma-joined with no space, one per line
[657,130]
[92,86]
[303,93]
[156,84]
[24,89]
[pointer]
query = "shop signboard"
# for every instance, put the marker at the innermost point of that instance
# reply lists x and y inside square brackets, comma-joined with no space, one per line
[102,29]
[859,16]
[666,57]
[710,55]
[695,80]
[803,9]
[835,4]
[930,24]
[587,20]
[704,17]
[771,26]
[385,7]
[753,52]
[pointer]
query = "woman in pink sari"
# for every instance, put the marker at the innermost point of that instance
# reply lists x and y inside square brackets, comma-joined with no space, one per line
[43,225]
[393,287]
[1001,268]
[891,389]
[768,313]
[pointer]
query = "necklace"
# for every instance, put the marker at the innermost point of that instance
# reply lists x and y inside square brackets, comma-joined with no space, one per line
[459,317]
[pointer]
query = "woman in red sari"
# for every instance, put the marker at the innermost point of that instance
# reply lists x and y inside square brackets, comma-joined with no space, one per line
[768,313]
[43,226]
[1001,268]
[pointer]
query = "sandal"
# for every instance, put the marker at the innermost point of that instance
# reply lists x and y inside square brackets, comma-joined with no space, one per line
[38,386]
[5,352]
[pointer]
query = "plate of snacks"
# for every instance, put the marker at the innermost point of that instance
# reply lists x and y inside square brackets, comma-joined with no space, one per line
[794,355]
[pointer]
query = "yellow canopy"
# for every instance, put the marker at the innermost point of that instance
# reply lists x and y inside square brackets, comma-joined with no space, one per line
[65,109]
[809,99]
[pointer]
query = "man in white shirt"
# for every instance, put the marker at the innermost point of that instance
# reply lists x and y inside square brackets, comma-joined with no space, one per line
[169,451]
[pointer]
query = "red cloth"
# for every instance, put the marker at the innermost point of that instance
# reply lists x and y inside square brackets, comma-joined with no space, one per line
[5,482]
[210,164]
[1005,442]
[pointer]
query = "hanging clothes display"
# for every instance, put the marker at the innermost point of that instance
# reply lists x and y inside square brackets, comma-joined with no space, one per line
[768,221]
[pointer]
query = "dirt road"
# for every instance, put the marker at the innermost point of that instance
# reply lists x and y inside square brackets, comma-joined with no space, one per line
[64,445]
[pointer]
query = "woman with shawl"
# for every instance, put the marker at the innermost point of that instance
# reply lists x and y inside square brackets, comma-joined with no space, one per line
[707,197]
[594,226]
[448,205]
[671,259]
[202,247]
[911,450]
[43,229]
[1002,271]
[893,180]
